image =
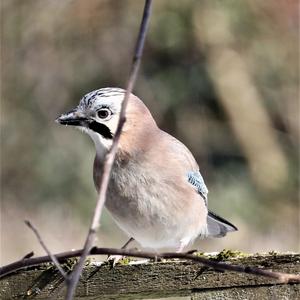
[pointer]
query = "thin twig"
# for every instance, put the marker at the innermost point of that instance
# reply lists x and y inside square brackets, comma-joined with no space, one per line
[52,257]
[28,255]
[278,276]
[109,159]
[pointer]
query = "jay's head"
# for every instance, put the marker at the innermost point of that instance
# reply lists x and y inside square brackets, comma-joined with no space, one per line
[98,115]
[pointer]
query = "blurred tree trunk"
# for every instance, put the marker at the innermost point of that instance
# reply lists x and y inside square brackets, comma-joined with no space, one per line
[238,95]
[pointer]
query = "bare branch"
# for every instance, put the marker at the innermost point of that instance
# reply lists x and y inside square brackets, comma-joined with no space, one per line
[109,159]
[278,276]
[52,257]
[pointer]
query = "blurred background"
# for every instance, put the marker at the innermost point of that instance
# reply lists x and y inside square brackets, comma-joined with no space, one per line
[221,76]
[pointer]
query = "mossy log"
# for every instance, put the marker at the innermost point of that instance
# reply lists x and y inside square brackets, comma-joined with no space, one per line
[170,278]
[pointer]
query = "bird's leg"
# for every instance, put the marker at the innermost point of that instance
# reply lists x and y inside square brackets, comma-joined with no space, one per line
[127,243]
[115,258]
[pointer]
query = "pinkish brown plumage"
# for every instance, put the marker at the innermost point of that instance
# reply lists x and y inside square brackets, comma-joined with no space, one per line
[156,193]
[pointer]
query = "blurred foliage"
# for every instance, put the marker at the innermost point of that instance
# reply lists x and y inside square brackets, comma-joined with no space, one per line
[53,52]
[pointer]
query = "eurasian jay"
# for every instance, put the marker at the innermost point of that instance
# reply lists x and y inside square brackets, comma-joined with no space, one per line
[156,193]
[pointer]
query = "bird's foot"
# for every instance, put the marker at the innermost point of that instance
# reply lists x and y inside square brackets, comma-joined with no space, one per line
[193,251]
[114,259]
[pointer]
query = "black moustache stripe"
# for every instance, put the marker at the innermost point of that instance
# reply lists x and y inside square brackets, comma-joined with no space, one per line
[101,129]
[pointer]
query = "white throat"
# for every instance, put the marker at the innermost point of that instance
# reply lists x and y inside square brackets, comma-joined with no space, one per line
[102,145]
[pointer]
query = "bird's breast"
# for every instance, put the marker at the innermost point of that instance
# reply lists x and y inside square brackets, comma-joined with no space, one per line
[156,208]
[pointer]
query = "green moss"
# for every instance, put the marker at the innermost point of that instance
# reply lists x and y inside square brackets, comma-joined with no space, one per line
[227,253]
[224,254]
[69,264]
[125,260]
[87,262]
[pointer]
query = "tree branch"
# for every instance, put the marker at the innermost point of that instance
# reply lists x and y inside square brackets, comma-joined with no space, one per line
[52,257]
[278,276]
[109,159]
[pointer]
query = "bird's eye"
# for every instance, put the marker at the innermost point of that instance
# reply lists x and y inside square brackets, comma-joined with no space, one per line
[103,113]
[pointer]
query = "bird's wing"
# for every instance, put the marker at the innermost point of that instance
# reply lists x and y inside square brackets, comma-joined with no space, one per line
[196,179]
[216,225]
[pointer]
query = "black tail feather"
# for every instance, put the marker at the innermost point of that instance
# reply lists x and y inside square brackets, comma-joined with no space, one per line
[217,226]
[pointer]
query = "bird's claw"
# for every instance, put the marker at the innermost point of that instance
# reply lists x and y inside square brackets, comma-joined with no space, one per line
[114,259]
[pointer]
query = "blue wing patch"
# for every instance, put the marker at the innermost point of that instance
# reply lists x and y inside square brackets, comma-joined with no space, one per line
[197,181]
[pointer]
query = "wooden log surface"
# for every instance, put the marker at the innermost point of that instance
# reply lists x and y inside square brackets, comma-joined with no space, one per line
[170,278]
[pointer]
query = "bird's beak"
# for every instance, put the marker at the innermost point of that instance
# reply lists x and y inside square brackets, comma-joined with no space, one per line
[73,118]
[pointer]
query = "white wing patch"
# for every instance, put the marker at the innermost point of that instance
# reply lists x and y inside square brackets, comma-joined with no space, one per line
[196,179]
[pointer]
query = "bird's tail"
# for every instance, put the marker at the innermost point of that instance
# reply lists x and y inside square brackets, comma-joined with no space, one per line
[217,226]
